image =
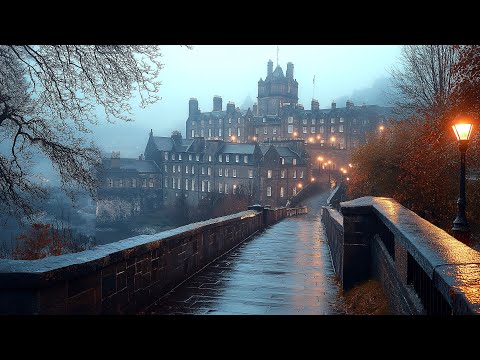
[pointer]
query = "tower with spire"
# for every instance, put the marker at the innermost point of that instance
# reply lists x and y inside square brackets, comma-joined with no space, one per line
[276,90]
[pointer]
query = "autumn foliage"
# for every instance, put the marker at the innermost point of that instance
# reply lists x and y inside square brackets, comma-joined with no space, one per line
[416,160]
[40,241]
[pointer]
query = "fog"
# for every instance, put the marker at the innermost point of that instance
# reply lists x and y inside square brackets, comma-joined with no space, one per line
[232,71]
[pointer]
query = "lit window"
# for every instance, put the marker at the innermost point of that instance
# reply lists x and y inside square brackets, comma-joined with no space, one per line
[229,120]
[197,157]
[313,121]
[173,168]
[238,120]
[186,169]
[179,185]
[226,188]
[190,157]
[342,119]
[209,171]
[178,168]
[234,172]
[173,156]
[322,121]
[290,129]
[282,174]
[265,131]
[166,183]
[166,155]
[203,185]
[250,174]
[294,161]
[193,184]
[304,129]
[332,120]
[264,120]
[220,187]
[294,174]
[226,172]
[283,160]
[219,158]
[227,158]
[301,174]
[186,184]
[229,131]
[203,170]
[274,130]
[269,174]
[304,121]
[193,133]
[340,128]
[290,119]
[282,191]
[321,129]
[220,132]
[180,157]
[312,129]
[238,132]
[193,170]
[209,132]
[220,172]
[245,159]
[237,158]
[208,186]
[209,158]
[269,191]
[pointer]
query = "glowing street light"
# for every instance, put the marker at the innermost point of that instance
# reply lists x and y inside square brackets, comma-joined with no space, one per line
[381,128]
[313,179]
[300,185]
[350,165]
[463,130]
[295,134]
[233,137]
[320,160]
[348,179]
[311,139]
[318,137]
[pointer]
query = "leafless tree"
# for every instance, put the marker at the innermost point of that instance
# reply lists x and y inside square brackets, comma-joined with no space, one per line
[50,97]
[424,79]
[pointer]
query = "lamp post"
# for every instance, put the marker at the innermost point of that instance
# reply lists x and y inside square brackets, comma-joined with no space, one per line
[329,172]
[462,129]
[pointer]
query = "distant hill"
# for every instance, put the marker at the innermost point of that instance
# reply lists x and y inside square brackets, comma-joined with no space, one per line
[378,94]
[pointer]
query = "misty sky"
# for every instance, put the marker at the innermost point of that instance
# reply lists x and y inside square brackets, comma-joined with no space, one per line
[232,71]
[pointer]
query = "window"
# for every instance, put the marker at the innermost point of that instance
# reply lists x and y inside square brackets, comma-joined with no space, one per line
[322,121]
[193,170]
[229,120]
[197,157]
[134,182]
[186,184]
[245,159]
[180,157]
[313,121]
[290,129]
[209,158]
[234,189]
[209,132]
[312,129]
[269,174]
[186,169]
[354,121]
[209,121]
[250,174]
[220,187]
[321,129]
[120,183]
[256,131]
[203,170]
[269,191]
[220,172]
[110,182]
[220,132]
[238,132]
[193,184]
[237,158]
[190,157]
[226,172]
[173,156]
[173,168]
[301,174]
[209,171]
[332,120]
[234,171]
[294,191]
[332,129]
[209,186]
[294,174]
[193,133]
[282,174]
[282,160]
[202,133]
[290,119]
[166,183]
[264,120]
[165,168]
[229,131]
[203,185]
[294,161]
[304,121]
[282,190]
[178,168]
[219,121]
[166,155]
[174,180]
[219,158]
[274,130]
[226,188]
[227,158]
[265,131]
[340,128]
[304,129]
[342,119]
[179,185]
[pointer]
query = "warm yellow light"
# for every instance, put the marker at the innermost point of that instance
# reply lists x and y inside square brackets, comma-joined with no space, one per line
[348,179]
[300,185]
[295,133]
[341,169]
[320,158]
[344,171]
[350,165]
[233,137]
[313,179]
[311,139]
[462,130]
[332,139]
[318,137]
[381,127]
[254,138]
[329,162]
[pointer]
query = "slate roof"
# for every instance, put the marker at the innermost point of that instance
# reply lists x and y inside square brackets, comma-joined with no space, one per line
[141,166]
[238,149]
[264,148]
[163,143]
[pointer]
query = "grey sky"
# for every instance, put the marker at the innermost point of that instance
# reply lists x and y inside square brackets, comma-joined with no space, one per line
[232,71]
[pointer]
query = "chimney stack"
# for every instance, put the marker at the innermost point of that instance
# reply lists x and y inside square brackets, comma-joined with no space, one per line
[289,73]
[192,107]
[315,105]
[230,106]
[334,105]
[115,160]
[217,103]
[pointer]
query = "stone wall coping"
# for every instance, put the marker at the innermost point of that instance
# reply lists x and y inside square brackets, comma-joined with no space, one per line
[35,273]
[453,266]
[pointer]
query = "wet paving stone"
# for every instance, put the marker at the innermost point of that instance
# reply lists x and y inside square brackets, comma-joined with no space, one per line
[285,270]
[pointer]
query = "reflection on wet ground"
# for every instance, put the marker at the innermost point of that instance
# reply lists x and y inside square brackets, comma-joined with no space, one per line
[284,270]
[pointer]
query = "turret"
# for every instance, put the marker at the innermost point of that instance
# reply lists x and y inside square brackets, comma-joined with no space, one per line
[315,105]
[289,73]
[192,107]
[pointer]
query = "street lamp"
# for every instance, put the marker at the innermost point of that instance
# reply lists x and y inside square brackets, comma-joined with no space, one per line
[329,172]
[233,138]
[320,159]
[462,129]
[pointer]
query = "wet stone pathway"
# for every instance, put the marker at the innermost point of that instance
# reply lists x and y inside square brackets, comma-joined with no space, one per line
[286,269]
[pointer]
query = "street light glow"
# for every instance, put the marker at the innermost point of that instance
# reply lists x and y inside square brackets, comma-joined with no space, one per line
[381,128]
[311,139]
[329,162]
[233,137]
[295,133]
[313,179]
[320,158]
[300,185]
[350,165]
[462,130]
[332,139]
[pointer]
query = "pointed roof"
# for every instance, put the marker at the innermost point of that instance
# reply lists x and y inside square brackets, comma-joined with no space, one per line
[278,73]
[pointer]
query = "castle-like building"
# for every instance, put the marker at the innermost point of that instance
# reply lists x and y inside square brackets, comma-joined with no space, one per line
[265,153]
